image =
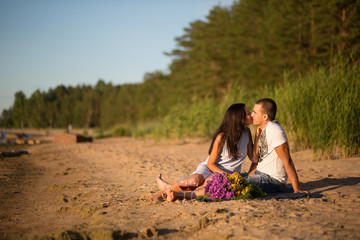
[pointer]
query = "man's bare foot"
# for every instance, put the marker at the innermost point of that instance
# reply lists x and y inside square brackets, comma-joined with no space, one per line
[162,184]
[156,197]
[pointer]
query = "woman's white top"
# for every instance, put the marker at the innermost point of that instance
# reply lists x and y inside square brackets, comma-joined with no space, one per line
[225,161]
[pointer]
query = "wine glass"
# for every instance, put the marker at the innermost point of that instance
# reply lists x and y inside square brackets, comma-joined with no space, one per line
[193,183]
[183,184]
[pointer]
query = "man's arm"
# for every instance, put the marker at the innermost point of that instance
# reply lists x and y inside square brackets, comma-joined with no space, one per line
[252,168]
[284,154]
[255,152]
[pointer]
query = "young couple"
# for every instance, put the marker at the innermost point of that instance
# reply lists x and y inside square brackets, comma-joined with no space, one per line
[270,155]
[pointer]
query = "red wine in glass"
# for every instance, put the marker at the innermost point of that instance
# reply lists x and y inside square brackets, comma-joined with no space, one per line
[193,183]
[184,188]
[184,185]
[192,188]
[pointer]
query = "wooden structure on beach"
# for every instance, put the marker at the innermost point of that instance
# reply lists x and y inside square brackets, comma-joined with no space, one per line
[71,138]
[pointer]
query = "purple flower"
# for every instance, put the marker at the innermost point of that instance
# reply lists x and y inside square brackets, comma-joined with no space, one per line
[218,187]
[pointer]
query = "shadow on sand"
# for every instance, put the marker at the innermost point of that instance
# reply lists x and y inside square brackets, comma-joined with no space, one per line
[319,185]
[330,183]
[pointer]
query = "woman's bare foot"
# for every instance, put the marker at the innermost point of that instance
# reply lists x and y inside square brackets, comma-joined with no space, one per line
[162,184]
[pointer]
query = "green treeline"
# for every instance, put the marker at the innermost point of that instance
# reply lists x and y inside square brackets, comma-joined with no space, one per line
[103,105]
[304,54]
[319,110]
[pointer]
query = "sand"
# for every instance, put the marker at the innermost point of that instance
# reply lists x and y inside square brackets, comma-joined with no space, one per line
[99,190]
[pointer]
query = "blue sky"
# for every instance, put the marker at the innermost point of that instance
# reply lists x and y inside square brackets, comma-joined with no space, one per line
[46,43]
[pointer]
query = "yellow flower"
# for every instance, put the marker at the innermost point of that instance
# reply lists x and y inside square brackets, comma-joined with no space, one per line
[238,184]
[245,190]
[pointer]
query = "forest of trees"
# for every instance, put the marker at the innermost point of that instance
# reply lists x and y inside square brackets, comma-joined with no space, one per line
[246,46]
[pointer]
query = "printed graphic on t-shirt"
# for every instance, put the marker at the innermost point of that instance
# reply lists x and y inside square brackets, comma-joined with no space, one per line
[263,147]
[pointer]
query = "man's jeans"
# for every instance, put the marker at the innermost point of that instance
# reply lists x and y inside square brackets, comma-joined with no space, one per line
[266,183]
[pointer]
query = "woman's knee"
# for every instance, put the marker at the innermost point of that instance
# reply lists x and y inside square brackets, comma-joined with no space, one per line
[197,176]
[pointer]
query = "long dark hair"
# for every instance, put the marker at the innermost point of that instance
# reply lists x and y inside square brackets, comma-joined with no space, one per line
[231,128]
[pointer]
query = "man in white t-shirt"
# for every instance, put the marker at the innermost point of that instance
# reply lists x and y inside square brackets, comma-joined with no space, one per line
[271,144]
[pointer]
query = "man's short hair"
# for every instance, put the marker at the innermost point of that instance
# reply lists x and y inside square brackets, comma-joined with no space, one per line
[268,106]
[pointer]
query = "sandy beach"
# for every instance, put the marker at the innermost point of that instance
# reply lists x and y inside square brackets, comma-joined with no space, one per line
[99,190]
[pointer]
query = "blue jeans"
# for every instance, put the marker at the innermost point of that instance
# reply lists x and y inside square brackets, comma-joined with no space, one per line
[265,181]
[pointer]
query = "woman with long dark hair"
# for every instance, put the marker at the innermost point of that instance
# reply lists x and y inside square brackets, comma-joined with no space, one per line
[230,145]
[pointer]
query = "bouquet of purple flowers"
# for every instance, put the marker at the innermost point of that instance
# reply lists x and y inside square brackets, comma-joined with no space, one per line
[230,186]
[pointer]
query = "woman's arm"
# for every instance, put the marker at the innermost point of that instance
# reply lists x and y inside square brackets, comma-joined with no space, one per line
[211,164]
